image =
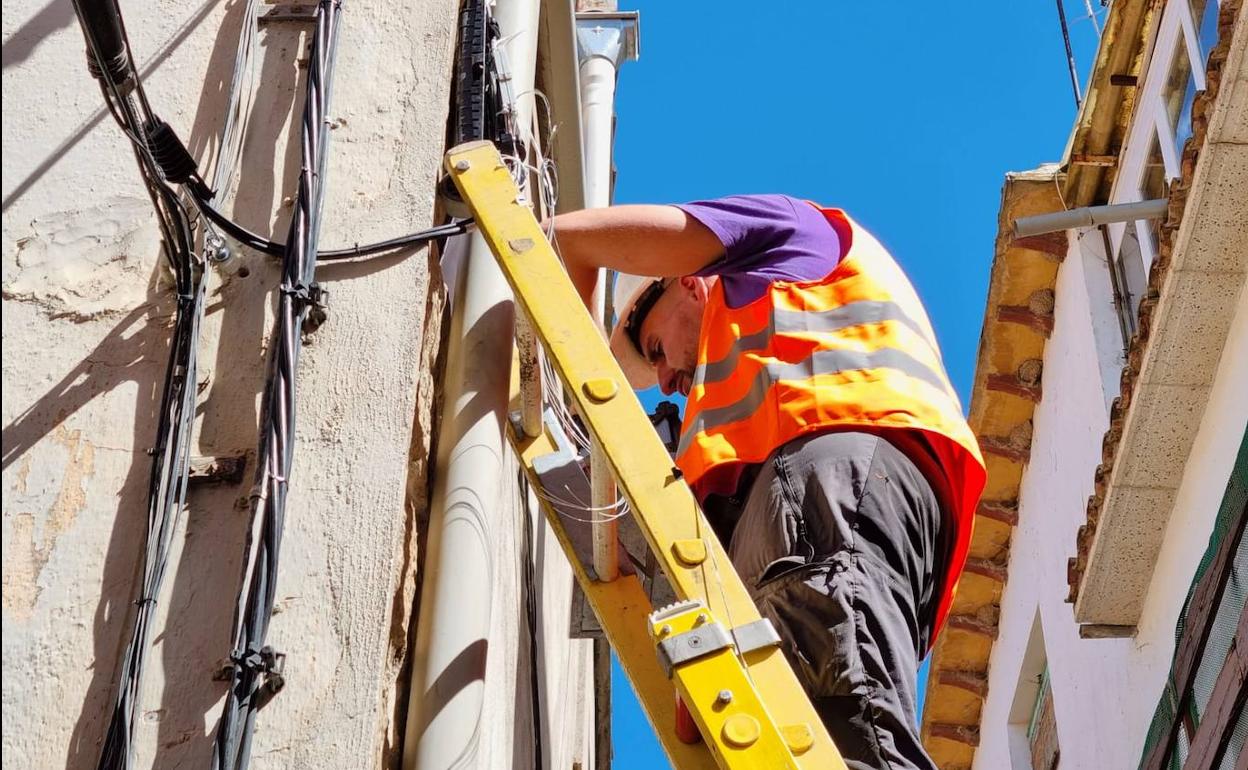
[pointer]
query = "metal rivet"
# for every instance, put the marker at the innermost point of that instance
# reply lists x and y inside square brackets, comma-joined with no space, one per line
[740,730]
[689,552]
[462,165]
[601,390]
[725,696]
[665,630]
[799,737]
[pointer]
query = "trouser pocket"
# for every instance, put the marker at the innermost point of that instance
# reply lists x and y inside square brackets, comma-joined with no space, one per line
[812,608]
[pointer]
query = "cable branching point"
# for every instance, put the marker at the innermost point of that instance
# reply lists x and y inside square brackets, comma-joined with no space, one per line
[175,160]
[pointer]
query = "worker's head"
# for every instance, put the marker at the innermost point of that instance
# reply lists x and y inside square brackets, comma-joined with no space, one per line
[660,320]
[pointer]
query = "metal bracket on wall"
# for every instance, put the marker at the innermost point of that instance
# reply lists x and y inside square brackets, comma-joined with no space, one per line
[298,12]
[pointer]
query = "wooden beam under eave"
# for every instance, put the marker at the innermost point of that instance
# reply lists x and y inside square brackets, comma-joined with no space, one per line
[1053,245]
[995,570]
[1004,511]
[1105,631]
[1005,446]
[974,682]
[1086,159]
[973,625]
[1009,383]
[966,734]
[1025,316]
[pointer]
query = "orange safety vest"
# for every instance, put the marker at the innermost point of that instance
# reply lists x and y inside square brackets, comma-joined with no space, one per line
[853,350]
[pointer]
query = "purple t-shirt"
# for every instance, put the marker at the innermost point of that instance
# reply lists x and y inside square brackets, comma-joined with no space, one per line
[766,238]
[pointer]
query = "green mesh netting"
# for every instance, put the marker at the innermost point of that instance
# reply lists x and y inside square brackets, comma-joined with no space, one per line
[1226,618]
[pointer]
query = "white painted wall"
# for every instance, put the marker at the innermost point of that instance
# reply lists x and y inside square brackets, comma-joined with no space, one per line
[85,343]
[1105,691]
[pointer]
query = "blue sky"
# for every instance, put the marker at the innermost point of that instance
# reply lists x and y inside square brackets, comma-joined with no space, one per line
[908,115]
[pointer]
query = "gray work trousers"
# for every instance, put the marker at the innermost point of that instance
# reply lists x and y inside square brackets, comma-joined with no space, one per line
[840,542]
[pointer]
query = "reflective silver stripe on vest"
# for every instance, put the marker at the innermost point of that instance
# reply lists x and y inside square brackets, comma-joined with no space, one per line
[820,362]
[798,321]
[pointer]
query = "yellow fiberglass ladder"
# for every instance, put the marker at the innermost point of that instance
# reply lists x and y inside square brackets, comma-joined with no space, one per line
[711,648]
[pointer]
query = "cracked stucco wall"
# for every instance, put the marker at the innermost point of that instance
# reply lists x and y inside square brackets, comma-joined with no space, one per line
[87,315]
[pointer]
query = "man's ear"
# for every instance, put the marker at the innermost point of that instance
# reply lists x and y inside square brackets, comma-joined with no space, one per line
[695,287]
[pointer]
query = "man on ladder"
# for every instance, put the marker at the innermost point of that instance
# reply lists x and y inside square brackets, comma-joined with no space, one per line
[821,434]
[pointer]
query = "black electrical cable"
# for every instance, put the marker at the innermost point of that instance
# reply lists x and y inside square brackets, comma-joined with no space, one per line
[530,610]
[256,673]
[107,54]
[178,166]
[256,670]
[111,62]
[260,243]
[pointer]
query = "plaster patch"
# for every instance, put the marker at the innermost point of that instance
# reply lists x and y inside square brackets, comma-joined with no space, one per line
[31,550]
[87,263]
[23,474]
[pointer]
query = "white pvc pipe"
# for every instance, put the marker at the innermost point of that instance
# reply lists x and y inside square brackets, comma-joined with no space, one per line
[1089,216]
[600,48]
[444,725]
[597,109]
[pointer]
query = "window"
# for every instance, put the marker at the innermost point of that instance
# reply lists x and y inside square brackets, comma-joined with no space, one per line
[1130,275]
[1177,95]
[1186,714]
[1205,17]
[1042,732]
[1153,184]
[1033,719]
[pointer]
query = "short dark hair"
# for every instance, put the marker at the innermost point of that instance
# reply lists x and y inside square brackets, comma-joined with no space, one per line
[641,309]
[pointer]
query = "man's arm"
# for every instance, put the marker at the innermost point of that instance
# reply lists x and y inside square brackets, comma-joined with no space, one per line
[661,241]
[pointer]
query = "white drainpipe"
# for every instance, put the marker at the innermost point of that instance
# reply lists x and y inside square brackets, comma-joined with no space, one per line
[604,41]
[444,724]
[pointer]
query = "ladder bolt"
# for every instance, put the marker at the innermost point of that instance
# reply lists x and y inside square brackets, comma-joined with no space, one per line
[462,165]
[725,696]
[665,630]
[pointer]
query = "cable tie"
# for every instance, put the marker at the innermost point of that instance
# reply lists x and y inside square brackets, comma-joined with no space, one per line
[262,660]
[310,297]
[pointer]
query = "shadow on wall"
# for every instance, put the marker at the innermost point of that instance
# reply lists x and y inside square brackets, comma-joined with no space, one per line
[194,634]
[136,351]
[200,605]
[205,580]
[56,15]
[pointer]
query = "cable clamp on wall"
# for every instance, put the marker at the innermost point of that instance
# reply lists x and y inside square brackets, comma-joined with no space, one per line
[266,661]
[314,298]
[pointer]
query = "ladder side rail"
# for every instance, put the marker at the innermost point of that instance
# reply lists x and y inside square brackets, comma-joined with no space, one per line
[622,607]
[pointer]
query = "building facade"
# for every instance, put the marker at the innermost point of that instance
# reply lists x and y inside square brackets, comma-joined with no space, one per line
[1102,621]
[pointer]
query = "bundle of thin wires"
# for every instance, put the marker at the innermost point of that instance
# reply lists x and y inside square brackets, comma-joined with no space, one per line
[111,61]
[256,667]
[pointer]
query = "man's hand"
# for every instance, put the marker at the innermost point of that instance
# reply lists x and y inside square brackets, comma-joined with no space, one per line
[660,241]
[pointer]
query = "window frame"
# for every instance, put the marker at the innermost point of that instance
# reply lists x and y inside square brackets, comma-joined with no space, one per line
[1175,29]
